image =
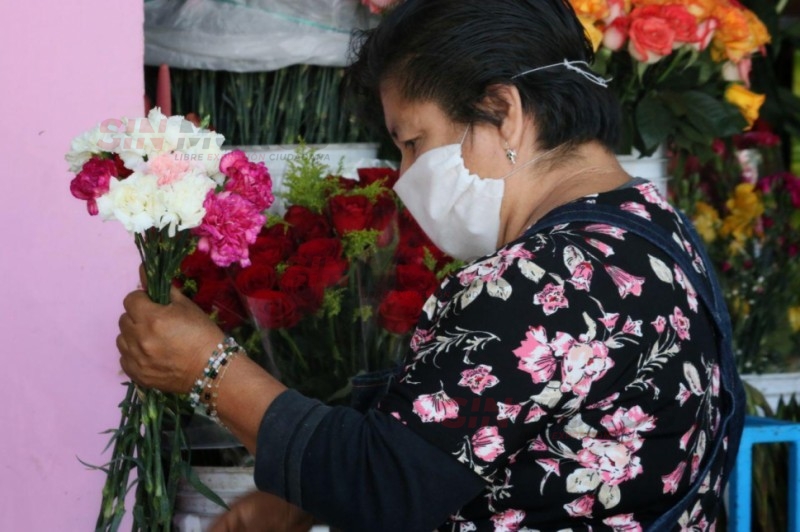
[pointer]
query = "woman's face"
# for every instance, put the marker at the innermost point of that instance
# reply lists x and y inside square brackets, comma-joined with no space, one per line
[417,127]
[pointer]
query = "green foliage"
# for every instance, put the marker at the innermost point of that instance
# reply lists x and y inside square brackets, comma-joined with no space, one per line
[304,180]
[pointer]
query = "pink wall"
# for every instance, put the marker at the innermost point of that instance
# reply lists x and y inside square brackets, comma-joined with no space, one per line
[64,66]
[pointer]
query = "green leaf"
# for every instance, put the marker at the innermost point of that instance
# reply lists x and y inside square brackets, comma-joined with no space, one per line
[655,122]
[201,488]
[711,116]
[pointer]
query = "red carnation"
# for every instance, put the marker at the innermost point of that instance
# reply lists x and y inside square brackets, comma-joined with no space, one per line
[93,181]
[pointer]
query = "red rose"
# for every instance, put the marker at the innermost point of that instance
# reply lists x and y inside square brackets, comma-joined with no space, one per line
[323,254]
[304,286]
[273,310]
[271,250]
[683,22]
[219,296]
[416,277]
[307,224]
[367,176]
[93,181]
[651,38]
[400,310]
[254,278]
[343,183]
[350,213]
[199,266]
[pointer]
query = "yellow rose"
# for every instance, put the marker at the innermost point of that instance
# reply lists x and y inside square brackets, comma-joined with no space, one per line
[706,221]
[749,103]
[794,318]
[744,208]
[594,33]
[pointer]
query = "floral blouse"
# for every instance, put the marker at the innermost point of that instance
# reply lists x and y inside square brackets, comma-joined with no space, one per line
[576,372]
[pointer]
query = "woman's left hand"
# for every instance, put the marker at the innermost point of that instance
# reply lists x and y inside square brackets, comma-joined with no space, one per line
[165,346]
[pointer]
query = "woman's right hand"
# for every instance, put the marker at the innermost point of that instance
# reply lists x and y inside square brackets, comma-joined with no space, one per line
[263,512]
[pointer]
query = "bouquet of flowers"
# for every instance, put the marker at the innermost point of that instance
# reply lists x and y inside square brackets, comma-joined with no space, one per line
[171,186]
[680,69]
[337,282]
[747,211]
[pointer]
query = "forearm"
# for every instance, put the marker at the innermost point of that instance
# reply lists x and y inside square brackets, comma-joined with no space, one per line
[243,396]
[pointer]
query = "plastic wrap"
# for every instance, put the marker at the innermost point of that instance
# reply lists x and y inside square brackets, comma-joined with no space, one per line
[251,35]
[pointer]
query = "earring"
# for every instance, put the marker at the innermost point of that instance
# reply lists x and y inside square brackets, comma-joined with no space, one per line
[511,154]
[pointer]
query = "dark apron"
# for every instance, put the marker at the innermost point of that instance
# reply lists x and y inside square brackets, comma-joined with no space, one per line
[732,395]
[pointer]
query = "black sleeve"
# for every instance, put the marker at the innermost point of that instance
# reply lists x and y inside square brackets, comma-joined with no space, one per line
[358,471]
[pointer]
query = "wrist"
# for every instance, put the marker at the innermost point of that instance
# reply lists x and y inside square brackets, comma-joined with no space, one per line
[205,389]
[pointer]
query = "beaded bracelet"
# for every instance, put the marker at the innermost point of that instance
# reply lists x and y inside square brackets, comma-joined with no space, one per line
[205,389]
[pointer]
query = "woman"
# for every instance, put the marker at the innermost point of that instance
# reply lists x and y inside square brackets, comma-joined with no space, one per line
[575,374]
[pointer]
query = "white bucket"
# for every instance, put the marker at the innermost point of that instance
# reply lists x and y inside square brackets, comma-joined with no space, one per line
[653,167]
[194,512]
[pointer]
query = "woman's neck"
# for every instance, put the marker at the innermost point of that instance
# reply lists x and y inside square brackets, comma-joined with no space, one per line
[588,169]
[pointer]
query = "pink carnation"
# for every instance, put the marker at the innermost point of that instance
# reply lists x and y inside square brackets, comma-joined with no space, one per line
[230,225]
[248,179]
[93,181]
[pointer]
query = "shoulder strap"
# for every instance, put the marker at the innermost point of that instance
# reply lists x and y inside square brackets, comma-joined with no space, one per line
[710,293]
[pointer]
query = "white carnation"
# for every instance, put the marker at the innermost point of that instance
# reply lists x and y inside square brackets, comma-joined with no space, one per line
[82,148]
[182,202]
[134,202]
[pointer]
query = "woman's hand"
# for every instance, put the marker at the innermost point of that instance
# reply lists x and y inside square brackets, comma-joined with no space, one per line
[165,346]
[263,512]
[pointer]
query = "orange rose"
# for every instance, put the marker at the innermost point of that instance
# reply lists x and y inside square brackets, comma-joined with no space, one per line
[740,33]
[593,10]
[594,34]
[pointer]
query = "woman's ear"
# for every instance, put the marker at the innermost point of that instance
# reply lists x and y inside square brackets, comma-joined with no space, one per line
[505,103]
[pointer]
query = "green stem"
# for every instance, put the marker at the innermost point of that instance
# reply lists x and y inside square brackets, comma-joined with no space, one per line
[293,347]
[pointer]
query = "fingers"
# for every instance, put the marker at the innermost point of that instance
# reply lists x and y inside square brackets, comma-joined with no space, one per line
[135,300]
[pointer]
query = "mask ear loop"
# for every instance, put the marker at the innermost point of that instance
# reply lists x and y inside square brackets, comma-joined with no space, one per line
[464,136]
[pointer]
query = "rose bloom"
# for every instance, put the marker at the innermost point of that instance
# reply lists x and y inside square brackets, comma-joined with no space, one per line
[218,296]
[306,224]
[400,310]
[271,250]
[749,103]
[378,6]
[591,9]
[273,310]
[325,255]
[254,278]
[304,286]
[416,277]
[367,176]
[744,208]
[651,38]
[350,213]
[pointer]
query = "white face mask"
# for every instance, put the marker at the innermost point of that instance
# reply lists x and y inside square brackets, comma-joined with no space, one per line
[459,211]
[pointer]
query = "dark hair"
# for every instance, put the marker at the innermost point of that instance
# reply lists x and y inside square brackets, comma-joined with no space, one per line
[452,52]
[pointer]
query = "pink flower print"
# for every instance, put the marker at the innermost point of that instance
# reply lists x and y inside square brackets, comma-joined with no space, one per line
[550,465]
[636,208]
[536,356]
[478,379]
[691,294]
[604,248]
[508,411]
[715,380]
[660,324]
[489,270]
[535,414]
[580,507]
[435,408]
[605,229]
[537,444]
[551,298]
[508,521]
[623,523]
[583,364]
[651,195]
[604,404]
[582,276]
[625,425]
[687,435]
[632,327]
[626,283]
[420,337]
[467,526]
[487,444]
[609,320]
[615,462]
[683,394]
[515,252]
[680,323]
